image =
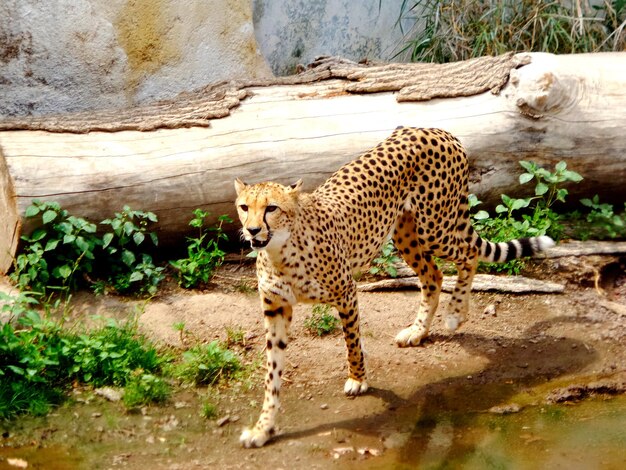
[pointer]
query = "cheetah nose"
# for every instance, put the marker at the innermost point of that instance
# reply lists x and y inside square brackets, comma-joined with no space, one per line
[254,230]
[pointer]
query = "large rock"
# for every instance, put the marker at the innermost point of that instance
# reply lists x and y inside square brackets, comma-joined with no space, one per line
[71,55]
[293,32]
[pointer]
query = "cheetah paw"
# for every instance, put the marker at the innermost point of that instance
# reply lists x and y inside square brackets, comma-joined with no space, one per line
[354,387]
[254,438]
[453,322]
[411,336]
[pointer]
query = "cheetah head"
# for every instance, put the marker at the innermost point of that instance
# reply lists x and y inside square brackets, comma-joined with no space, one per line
[267,212]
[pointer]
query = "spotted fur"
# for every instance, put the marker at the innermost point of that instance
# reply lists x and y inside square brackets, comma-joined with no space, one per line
[413,185]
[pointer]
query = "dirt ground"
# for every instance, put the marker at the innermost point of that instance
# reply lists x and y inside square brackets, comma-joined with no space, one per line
[516,352]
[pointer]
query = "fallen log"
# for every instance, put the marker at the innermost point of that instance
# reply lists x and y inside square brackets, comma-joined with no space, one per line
[586,248]
[570,108]
[482,282]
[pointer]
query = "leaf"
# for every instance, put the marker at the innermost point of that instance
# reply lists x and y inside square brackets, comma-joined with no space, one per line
[572,176]
[528,166]
[541,189]
[69,238]
[107,238]
[31,211]
[552,178]
[116,224]
[64,227]
[64,271]
[136,276]
[500,209]
[525,178]
[520,203]
[90,228]
[481,215]
[15,369]
[129,227]
[82,244]
[128,257]
[392,271]
[48,216]
[138,238]
[51,245]
[473,201]
[38,234]
[154,238]
[561,166]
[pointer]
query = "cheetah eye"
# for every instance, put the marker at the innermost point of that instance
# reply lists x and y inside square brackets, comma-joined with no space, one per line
[243,207]
[271,208]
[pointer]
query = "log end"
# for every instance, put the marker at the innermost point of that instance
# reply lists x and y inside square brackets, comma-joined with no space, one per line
[9,220]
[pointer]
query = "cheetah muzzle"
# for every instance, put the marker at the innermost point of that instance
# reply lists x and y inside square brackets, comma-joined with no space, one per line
[413,185]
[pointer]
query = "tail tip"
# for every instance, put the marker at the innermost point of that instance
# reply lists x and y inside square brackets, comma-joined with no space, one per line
[544,242]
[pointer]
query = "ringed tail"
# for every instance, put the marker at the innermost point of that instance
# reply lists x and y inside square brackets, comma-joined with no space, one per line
[506,251]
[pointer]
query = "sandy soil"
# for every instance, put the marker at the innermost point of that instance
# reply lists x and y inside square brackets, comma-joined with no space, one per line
[512,353]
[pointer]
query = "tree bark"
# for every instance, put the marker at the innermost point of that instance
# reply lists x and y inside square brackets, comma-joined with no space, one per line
[570,108]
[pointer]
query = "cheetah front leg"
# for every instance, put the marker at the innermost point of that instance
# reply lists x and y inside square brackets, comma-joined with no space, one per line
[349,314]
[277,321]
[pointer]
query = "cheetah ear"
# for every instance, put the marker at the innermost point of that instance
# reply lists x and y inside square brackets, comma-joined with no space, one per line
[297,186]
[240,186]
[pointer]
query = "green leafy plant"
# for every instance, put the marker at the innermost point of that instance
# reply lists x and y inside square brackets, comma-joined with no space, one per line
[531,216]
[599,222]
[321,322]
[203,253]
[451,30]
[131,270]
[208,410]
[180,327]
[110,355]
[526,217]
[207,364]
[142,389]
[57,253]
[31,362]
[235,336]
[244,287]
[385,261]
[40,359]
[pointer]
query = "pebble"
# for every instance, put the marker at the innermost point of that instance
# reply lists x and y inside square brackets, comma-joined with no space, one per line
[222,421]
[396,440]
[505,409]
[109,393]
[324,406]
[490,310]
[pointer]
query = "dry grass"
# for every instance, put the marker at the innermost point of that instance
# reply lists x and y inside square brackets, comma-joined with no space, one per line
[452,30]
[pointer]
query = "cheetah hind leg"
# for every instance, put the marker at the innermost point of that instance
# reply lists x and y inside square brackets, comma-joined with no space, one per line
[429,275]
[458,307]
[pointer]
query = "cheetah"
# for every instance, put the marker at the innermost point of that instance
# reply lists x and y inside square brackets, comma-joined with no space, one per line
[414,186]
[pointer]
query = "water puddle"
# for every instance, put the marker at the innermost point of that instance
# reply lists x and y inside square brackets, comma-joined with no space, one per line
[35,457]
[586,435]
